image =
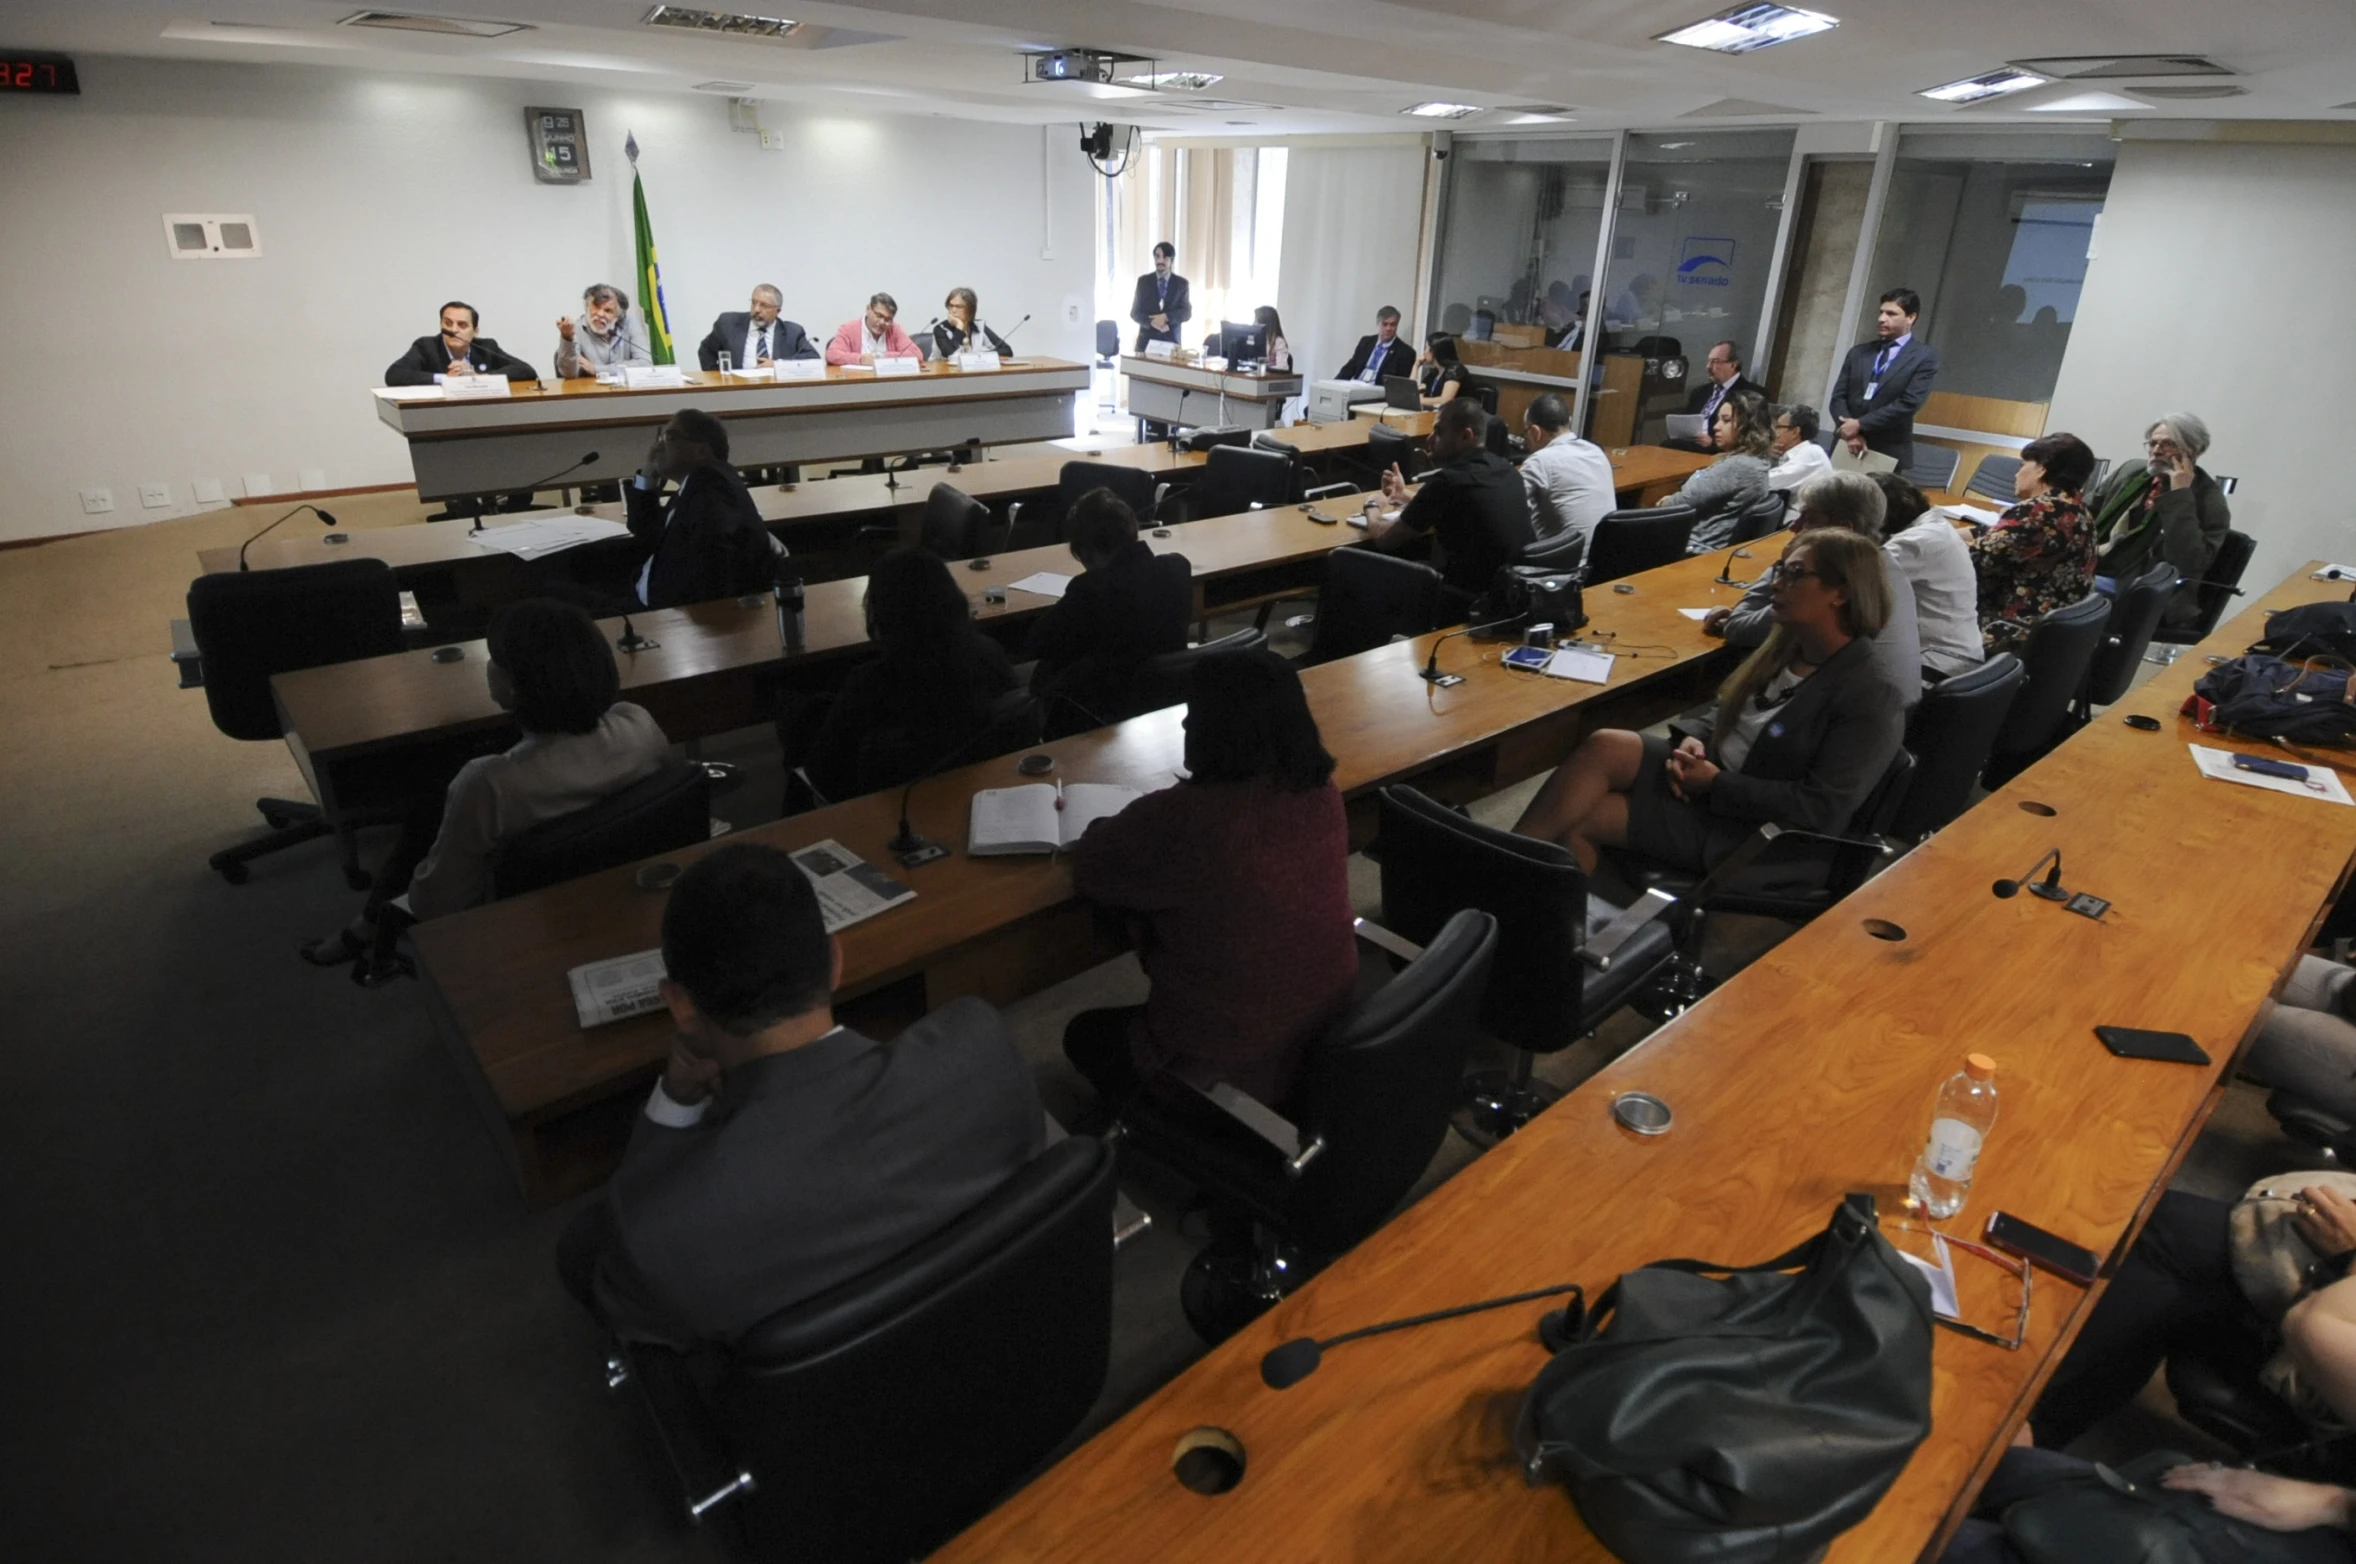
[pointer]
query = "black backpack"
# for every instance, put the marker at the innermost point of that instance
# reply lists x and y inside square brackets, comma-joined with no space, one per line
[1523,595]
[2263,697]
[2311,630]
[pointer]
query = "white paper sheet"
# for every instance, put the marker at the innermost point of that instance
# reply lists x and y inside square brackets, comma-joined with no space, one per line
[1976,515]
[2322,781]
[537,539]
[849,888]
[2335,573]
[622,986]
[1940,1276]
[1046,583]
[1578,662]
[1697,615]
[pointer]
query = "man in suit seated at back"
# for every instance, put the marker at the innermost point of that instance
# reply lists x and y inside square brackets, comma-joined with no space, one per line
[708,541]
[1382,354]
[1722,376]
[782,1154]
[455,350]
[1884,383]
[1127,604]
[754,337]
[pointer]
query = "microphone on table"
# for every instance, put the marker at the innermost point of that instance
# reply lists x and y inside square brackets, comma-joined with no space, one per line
[2050,888]
[542,483]
[906,843]
[632,641]
[1725,576]
[1017,326]
[1430,673]
[325,520]
[1287,1364]
[1183,393]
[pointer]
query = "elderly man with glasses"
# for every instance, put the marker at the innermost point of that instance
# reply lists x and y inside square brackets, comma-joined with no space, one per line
[2164,506]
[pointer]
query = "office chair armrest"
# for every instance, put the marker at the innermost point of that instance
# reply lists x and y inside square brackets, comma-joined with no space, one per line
[1384,940]
[707,1474]
[1161,492]
[185,657]
[1600,950]
[1327,491]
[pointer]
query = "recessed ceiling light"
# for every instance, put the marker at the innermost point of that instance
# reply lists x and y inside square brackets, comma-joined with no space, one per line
[405,22]
[1174,81]
[1443,110]
[1541,119]
[2088,103]
[730,23]
[1995,84]
[1748,27]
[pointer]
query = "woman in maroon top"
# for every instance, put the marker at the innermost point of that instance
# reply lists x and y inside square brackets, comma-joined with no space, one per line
[1237,886]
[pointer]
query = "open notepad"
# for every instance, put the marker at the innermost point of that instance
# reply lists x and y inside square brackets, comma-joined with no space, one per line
[1042,817]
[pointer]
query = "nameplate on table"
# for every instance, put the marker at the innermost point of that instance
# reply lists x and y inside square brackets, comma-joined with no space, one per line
[470,388]
[800,368]
[898,366]
[978,363]
[652,377]
[1160,349]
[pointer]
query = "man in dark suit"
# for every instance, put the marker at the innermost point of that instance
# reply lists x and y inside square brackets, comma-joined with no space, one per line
[755,336]
[1381,354]
[1160,305]
[708,541]
[1126,605]
[1884,382]
[1722,376]
[1476,504]
[455,350]
[781,1154]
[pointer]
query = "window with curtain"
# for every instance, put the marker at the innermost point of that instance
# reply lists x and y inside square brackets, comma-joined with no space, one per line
[1223,207]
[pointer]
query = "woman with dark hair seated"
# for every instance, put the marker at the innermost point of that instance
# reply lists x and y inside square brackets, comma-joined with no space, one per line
[1737,480]
[1237,890]
[551,666]
[1441,375]
[929,690]
[1804,729]
[2040,554]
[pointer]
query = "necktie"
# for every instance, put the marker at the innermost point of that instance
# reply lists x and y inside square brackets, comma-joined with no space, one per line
[761,346]
[1881,360]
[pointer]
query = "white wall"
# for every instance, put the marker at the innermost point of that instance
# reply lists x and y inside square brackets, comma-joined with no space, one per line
[1353,227]
[379,196]
[2217,289]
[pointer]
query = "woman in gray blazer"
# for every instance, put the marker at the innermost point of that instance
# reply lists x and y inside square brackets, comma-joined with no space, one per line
[1736,481]
[1803,730]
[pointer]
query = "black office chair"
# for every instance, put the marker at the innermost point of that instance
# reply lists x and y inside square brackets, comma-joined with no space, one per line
[1950,734]
[1627,541]
[1992,479]
[2055,659]
[1162,680]
[925,348]
[1370,1110]
[1387,448]
[1544,993]
[2136,607]
[669,809]
[1238,478]
[1763,516]
[249,625]
[955,525]
[1368,598]
[1933,466]
[1036,523]
[2217,588]
[1561,551]
[872,1423]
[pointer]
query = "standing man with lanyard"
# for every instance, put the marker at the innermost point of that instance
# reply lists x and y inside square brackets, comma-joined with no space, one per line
[1884,383]
[1381,354]
[1161,305]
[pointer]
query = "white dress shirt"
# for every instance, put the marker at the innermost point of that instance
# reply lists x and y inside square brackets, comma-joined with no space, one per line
[1795,467]
[1570,483]
[1935,561]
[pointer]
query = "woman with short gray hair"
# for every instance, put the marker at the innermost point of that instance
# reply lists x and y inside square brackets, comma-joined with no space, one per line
[2163,506]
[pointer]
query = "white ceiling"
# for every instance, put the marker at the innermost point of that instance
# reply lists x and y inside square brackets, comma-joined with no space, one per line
[1294,66]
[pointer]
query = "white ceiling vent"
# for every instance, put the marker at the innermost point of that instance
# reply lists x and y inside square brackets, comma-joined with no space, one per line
[2183,90]
[734,89]
[447,26]
[212,236]
[2097,67]
[1738,108]
[729,24]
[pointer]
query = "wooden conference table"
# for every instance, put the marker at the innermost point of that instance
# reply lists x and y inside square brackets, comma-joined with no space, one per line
[1808,1075]
[534,431]
[1005,927]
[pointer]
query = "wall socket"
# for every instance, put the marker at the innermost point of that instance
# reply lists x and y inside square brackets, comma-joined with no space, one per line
[155,496]
[208,492]
[97,502]
[258,484]
[1071,309]
[772,140]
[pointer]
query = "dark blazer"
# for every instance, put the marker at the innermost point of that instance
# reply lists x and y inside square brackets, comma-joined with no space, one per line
[1108,622]
[947,339]
[1144,306]
[2184,528]
[887,725]
[1479,508]
[1398,359]
[707,541]
[1887,417]
[1818,757]
[812,1167]
[786,340]
[429,356]
[1702,389]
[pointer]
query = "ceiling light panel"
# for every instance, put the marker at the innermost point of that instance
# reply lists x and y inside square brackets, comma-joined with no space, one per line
[2094,67]
[1175,81]
[1443,110]
[1749,27]
[447,26]
[729,24]
[1976,89]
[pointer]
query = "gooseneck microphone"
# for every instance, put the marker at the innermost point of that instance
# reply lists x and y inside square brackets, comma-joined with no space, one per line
[906,842]
[1725,576]
[542,483]
[632,641]
[325,520]
[1288,1363]
[1017,326]
[1430,672]
[2050,888]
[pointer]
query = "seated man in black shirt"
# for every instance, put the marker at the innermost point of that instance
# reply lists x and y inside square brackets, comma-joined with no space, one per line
[1476,504]
[1128,604]
[781,1154]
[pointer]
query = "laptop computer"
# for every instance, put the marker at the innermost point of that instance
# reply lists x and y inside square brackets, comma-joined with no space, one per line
[1400,391]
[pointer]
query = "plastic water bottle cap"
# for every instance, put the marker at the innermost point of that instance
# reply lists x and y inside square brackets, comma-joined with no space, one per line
[1979,1067]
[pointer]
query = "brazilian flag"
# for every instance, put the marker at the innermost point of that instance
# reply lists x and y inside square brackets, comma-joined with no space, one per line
[650,278]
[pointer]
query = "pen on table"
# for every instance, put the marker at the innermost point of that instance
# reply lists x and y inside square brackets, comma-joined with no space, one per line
[1059,792]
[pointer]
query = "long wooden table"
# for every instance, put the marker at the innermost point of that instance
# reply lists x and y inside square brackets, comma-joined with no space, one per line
[484,445]
[1808,1075]
[1006,927]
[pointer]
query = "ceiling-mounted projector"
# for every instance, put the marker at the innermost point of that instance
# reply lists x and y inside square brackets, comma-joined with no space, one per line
[1095,71]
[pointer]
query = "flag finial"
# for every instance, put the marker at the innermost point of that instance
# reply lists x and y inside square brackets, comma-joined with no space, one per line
[630,148]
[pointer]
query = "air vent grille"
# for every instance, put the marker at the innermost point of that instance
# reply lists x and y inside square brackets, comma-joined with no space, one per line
[446,26]
[729,24]
[2172,94]
[2098,67]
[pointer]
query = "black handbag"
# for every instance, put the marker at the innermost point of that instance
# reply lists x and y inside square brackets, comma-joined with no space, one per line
[2264,697]
[1520,596]
[2126,1517]
[1738,1414]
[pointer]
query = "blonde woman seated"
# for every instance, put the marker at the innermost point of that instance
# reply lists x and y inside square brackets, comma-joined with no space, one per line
[1803,730]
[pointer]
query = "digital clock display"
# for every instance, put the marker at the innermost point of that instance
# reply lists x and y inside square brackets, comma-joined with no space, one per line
[21,72]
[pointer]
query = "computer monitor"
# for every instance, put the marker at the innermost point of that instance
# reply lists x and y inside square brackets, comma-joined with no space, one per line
[1245,343]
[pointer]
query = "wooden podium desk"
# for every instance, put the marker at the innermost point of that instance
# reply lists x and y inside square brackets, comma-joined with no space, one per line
[486,445]
[1808,1075]
[1005,927]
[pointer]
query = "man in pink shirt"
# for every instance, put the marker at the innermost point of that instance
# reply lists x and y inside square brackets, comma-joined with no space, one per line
[872,336]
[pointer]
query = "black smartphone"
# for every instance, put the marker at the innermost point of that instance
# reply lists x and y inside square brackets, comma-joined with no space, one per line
[2042,1249]
[2136,1042]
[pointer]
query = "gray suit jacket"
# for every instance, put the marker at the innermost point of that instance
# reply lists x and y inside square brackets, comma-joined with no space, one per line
[814,1166]
[1815,762]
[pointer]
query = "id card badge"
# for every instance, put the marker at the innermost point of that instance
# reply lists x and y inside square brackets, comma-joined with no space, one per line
[1871,386]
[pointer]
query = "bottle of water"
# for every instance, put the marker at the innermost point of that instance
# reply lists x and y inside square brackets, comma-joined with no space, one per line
[790,624]
[1959,1127]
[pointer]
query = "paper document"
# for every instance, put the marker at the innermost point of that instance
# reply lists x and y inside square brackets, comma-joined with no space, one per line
[1687,426]
[1697,615]
[410,393]
[622,986]
[1041,817]
[1940,1276]
[461,388]
[849,888]
[1580,662]
[2335,573]
[1046,583]
[537,539]
[1978,516]
[2321,781]
[641,377]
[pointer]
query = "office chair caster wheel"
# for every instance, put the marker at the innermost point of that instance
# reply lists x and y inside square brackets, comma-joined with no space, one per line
[1229,1285]
[234,873]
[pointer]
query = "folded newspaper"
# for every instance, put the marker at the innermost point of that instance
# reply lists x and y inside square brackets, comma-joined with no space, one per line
[850,890]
